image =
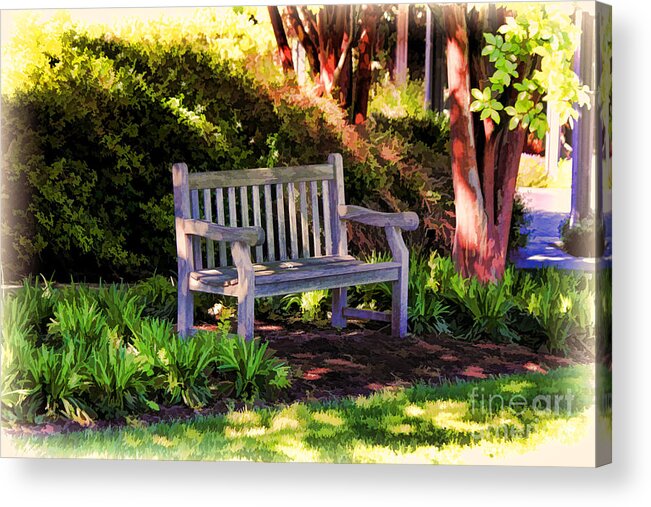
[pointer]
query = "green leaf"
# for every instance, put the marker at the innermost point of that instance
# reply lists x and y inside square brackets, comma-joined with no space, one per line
[542,130]
[513,123]
[476,106]
[487,94]
[490,38]
[475,92]
[497,106]
[510,110]
[487,50]
[495,116]
[485,113]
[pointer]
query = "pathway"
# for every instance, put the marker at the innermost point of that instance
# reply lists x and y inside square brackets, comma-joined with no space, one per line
[548,208]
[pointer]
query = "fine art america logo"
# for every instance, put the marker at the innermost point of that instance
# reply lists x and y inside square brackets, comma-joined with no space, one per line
[517,404]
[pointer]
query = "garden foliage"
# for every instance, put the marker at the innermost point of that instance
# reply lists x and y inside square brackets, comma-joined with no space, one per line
[83,353]
[92,122]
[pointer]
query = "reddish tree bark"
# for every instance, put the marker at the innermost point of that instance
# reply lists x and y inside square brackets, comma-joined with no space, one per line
[284,50]
[365,46]
[304,38]
[328,40]
[485,160]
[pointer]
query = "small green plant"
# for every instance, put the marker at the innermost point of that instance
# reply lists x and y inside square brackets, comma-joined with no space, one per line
[489,306]
[561,305]
[121,308]
[181,368]
[79,318]
[58,379]
[250,369]
[311,305]
[116,382]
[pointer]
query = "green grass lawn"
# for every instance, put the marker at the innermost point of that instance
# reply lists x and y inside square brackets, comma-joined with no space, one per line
[469,422]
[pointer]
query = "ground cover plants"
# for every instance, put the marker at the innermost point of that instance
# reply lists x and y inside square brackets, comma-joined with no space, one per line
[85,353]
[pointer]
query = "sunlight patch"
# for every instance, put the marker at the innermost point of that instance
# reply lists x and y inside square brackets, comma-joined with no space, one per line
[330,417]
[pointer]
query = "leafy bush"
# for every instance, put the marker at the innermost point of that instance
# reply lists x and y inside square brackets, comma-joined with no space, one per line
[585,238]
[158,295]
[542,307]
[117,383]
[520,221]
[488,305]
[250,368]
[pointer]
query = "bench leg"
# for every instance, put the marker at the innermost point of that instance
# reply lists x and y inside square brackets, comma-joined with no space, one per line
[399,308]
[399,296]
[245,316]
[185,313]
[339,297]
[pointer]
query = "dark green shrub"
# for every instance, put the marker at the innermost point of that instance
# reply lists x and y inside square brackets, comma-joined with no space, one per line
[158,295]
[585,238]
[520,221]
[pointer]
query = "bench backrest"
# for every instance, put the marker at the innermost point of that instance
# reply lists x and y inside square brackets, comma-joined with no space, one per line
[296,207]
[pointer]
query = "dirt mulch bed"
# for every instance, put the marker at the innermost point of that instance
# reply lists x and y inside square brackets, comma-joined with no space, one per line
[359,361]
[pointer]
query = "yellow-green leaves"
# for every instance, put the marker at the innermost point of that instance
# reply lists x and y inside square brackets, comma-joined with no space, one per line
[531,53]
[488,106]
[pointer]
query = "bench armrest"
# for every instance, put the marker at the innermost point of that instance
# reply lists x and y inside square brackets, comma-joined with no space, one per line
[252,236]
[407,220]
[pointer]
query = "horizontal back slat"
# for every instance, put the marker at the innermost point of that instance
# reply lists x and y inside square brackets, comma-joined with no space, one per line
[265,176]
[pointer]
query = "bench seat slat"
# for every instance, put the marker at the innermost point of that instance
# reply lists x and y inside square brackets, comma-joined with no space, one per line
[274,272]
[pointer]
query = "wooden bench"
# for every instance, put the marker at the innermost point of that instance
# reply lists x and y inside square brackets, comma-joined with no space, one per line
[291,221]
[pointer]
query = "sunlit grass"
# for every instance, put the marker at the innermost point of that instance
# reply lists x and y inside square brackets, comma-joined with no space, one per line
[421,424]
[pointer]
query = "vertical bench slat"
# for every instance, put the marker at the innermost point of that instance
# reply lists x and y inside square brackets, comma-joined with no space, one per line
[327,234]
[337,196]
[221,220]
[196,240]
[268,210]
[244,207]
[207,213]
[232,207]
[257,219]
[316,225]
[305,229]
[291,209]
[280,206]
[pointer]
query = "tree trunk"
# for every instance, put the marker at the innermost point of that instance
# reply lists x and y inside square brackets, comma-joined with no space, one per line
[402,26]
[365,47]
[284,50]
[484,179]
[304,39]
